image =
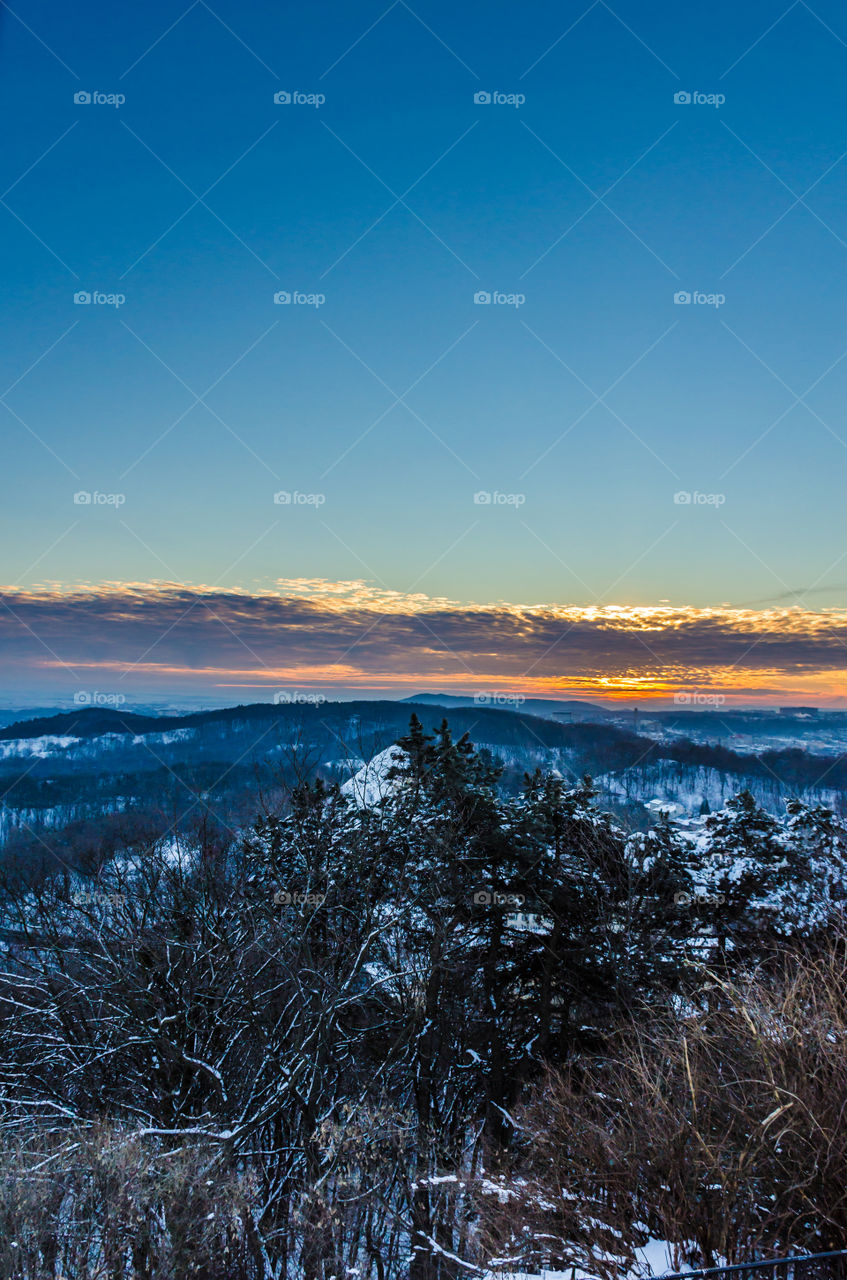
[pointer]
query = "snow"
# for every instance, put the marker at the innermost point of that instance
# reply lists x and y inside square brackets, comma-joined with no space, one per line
[680,789]
[165,738]
[48,744]
[371,784]
[660,805]
[175,855]
[528,922]
[51,744]
[654,1259]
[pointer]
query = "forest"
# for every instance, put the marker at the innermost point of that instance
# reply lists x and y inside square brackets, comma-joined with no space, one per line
[455,1030]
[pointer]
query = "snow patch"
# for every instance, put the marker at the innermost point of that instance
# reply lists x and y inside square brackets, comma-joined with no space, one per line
[49,744]
[371,784]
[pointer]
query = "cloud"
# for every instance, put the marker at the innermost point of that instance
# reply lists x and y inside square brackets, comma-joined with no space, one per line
[352,635]
[798,596]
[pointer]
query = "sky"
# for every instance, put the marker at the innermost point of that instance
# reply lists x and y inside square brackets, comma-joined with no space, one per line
[368,348]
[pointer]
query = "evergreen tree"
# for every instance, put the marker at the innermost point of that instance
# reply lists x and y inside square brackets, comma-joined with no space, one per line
[816,845]
[744,873]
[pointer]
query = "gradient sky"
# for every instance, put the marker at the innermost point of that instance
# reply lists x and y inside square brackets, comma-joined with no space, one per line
[589,406]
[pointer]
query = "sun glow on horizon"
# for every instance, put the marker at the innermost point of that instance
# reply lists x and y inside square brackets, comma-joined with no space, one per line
[350,636]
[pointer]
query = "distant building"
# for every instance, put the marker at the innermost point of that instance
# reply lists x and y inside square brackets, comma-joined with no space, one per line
[798,711]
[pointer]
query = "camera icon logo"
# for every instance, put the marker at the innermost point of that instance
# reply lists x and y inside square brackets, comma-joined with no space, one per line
[482,898]
[82,698]
[482,98]
[482,498]
[282,297]
[283,498]
[682,498]
[482,298]
[82,98]
[82,499]
[82,298]
[682,298]
[282,98]
[682,98]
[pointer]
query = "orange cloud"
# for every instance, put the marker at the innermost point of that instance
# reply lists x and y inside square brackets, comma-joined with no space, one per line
[354,636]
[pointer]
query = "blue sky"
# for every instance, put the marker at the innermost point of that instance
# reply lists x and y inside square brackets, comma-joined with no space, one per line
[585,408]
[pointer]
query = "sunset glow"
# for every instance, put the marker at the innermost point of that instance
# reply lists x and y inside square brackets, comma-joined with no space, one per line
[349,638]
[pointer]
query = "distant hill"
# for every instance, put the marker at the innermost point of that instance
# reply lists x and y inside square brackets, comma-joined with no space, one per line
[99,764]
[548,708]
[91,722]
[94,722]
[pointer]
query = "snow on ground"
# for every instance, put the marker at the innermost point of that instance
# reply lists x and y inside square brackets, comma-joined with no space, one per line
[372,784]
[680,789]
[47,745]
[165,738]
[50,744]
[674,788]
[175,854]
[659,806]
[654,1259]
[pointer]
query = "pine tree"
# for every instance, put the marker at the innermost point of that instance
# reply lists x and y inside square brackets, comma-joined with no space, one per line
[816,845]
[744,872]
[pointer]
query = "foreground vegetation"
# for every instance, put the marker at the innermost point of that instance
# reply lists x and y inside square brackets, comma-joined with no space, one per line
[449,1032]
